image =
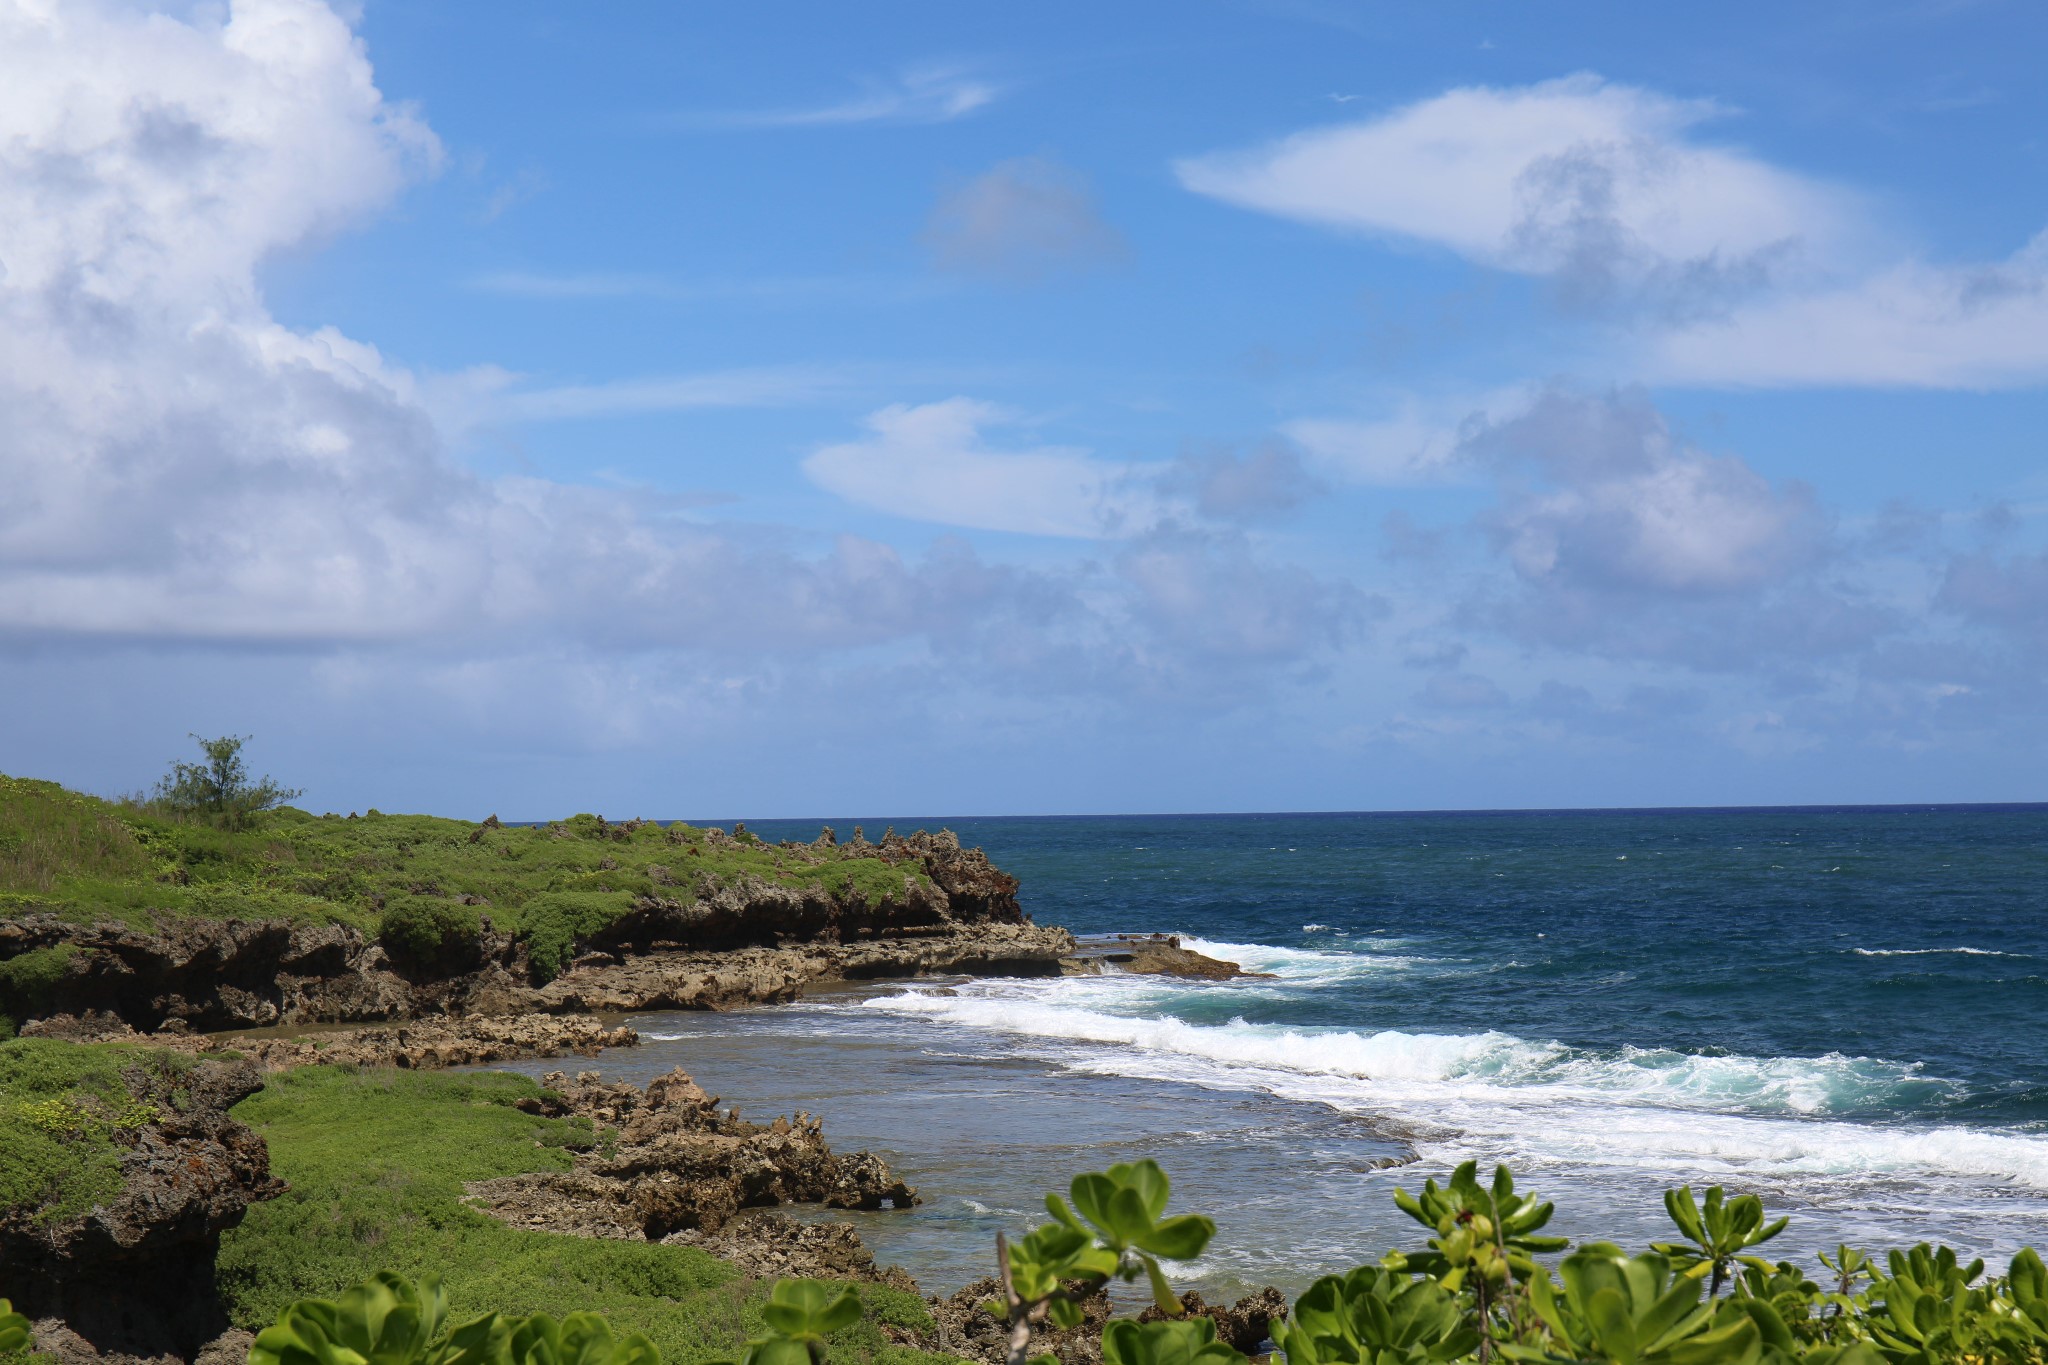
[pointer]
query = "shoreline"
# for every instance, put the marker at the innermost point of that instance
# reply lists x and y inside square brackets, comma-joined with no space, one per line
[673,1170]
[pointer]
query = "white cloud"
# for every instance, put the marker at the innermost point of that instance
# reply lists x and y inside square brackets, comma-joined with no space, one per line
[937,93]
[932,463]
[1914,325]
[766,386]
[1620,504]
[177,465]
[1576,175]
[1022,220]
[1418,443]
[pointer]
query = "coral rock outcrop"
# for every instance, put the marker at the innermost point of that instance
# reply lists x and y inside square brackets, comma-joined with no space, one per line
[668,1161]
[132,1277]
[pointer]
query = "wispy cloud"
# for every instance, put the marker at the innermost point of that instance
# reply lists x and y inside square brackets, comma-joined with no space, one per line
[937,93]
[788,290]
[766,386]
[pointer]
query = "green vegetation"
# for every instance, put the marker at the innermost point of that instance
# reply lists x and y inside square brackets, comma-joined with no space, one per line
[377,1160]
[1476,1291]
[426,883]
[219,790]
[62,1107]
[387,1320]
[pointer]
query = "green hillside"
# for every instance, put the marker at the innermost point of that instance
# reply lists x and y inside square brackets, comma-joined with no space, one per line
[424,883]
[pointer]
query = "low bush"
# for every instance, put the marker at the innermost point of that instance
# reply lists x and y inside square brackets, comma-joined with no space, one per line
[434,936]
[63,1108]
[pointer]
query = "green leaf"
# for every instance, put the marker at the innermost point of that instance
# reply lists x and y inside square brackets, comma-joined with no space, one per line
[1179,1239]
[1162,1292]
[1607,1313]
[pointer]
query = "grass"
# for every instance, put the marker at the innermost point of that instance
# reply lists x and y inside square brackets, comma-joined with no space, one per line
[376,1161]
[61,1106]
[429,880]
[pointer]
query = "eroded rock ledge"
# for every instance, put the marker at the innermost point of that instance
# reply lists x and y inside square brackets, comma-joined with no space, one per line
[609,984]
[133,1277]
[669,1165]
[704,942]
[421,1044]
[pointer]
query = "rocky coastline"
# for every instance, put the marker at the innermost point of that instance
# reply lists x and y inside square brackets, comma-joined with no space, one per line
[131,1279]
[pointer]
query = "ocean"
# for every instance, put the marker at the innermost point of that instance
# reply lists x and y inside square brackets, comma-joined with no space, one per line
[1842,1010]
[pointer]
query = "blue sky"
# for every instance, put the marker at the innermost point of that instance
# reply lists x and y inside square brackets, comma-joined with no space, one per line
[790,409]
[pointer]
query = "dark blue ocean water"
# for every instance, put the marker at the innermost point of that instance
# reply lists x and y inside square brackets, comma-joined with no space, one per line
[1844,1010]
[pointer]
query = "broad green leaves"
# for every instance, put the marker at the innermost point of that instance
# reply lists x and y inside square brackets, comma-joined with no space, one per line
[1124,1231]
[1627,1309]
[383,1321]
[1478,1293]
[1377,1316]
[1718,1231]
[1192,1342]
[14,1332]
[800,1314]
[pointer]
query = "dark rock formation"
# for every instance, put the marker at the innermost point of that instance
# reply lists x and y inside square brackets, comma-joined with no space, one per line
[422,1044]
[219,974]
[611,985]
[670,1162]
[1149,955]
[133,1277]
[731,943]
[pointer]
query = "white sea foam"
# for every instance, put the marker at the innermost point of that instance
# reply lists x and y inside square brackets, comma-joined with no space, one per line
[1302,966]
[1498,1096]
[1931,952]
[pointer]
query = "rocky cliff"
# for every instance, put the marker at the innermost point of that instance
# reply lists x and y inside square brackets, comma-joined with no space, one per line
[710,939]
[132,1275]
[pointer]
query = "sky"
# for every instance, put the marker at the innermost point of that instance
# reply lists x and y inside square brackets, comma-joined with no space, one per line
[933,408]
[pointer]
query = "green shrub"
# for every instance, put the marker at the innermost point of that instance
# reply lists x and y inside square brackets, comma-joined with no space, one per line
[62,1108]
[29,980]
[552,923]
[431,935]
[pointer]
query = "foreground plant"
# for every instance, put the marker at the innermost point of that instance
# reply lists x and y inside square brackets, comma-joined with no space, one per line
[1116,1229]
[388,1320]
[1476,1292]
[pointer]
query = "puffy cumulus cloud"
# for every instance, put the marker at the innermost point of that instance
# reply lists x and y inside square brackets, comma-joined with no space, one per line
[1598,184]
[176,462]
[1605,497]
[1911,325]
[205,495]
[1021,221]
[1626,540]
[932,462]
[180,467]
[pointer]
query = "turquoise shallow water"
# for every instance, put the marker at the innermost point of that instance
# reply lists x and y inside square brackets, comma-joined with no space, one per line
[1844,1010]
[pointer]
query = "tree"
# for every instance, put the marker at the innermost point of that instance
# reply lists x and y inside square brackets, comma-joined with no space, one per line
[220,788]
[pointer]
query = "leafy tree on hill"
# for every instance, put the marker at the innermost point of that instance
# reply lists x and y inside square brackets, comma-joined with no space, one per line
[219,789]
